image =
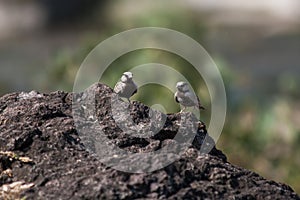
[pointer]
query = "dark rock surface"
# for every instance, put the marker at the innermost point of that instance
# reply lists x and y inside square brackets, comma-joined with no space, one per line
[40,146]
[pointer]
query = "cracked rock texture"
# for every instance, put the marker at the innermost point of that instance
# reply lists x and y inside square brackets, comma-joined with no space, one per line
[55,152]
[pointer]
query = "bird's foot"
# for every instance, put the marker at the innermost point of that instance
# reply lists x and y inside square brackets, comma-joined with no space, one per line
[182,110]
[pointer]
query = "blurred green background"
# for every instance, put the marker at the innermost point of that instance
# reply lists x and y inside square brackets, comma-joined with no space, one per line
[256,46]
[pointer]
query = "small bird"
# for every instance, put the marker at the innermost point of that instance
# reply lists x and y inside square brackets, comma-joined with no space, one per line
[126,87]
[185,97]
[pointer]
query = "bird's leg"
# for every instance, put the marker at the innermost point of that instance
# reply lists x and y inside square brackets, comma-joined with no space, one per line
[128,100]
[181,111]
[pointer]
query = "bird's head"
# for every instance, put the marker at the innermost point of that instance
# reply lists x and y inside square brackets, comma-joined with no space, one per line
[182,86]
[127,76]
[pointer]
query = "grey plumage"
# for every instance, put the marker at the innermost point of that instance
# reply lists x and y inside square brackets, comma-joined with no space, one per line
[126,86]
[185,97]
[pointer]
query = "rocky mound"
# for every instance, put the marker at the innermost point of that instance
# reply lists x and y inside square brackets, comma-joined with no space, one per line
[43,154]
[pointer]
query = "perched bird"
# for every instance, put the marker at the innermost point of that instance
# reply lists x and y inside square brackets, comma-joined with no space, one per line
[185,97]
[126,87]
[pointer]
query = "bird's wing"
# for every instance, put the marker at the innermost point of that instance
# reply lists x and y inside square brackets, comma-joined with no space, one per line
[118,87]
[195,99]
[192,97]
[136,89]
[134,92]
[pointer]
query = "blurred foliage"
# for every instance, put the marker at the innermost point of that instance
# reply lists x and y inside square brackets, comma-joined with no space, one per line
[259,135]
[264,136]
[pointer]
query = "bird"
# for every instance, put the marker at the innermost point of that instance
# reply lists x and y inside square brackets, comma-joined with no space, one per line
[126,87]
[185,97]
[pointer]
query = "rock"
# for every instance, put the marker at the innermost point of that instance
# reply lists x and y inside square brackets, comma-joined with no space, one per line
[53,149]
